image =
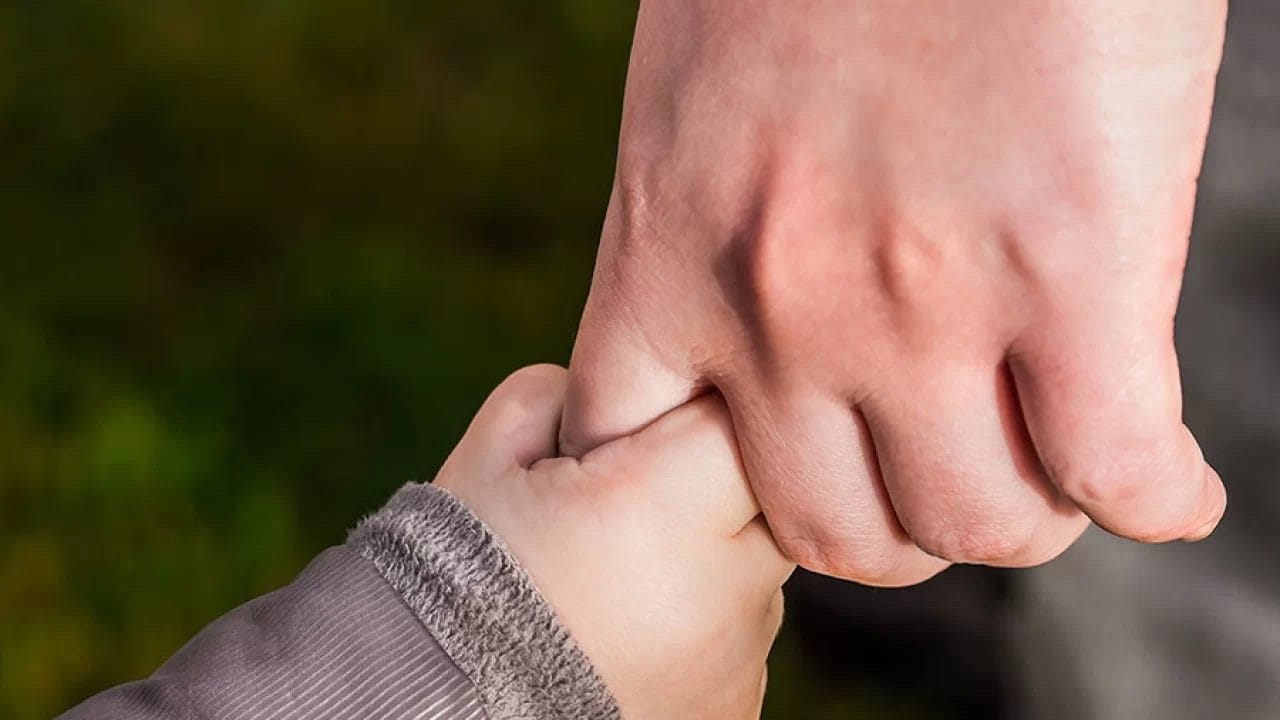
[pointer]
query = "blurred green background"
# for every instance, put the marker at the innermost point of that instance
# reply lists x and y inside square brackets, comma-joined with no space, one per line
[261,262]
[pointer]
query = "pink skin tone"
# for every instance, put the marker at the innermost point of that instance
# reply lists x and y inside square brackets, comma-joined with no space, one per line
[930,254]
[651,548]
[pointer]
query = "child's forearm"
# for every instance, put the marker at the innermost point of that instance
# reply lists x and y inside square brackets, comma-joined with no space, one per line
[422,613]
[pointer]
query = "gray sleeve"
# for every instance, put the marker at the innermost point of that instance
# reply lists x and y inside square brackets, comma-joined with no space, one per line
[423,614]
[336,642]
[482,608]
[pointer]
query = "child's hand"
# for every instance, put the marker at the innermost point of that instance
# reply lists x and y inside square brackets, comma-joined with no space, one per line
[651,548]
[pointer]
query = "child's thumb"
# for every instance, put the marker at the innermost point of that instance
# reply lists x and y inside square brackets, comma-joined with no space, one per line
[518,425]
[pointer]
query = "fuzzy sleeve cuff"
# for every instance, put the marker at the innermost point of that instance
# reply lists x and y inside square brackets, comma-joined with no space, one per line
[482,608]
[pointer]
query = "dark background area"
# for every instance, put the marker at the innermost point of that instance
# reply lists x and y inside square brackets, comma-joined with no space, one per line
[259,264]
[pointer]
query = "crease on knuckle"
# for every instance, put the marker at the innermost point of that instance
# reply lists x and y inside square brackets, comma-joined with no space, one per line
[1109,484]
[979,540]
[838,558]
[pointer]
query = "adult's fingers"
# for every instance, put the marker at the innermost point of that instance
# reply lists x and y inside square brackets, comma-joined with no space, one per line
[619,378]
[1104,408]
[961,472]
[814,472]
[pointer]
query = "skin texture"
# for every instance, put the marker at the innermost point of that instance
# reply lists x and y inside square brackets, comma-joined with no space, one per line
[651,548]
[929,252]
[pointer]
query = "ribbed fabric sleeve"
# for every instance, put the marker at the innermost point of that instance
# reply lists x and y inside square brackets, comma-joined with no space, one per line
[337,642]
[482,608]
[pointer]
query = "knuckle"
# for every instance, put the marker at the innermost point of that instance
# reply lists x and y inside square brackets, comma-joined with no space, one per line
[839,558]
[979,540]
[1129,468]
[1118,491]
[1116,482]
[909,261]
[768,285]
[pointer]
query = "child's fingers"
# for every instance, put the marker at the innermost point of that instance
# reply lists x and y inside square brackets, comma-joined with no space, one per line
[689,462]
[517,425]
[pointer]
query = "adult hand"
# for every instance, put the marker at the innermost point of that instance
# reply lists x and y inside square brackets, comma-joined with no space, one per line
[929,252]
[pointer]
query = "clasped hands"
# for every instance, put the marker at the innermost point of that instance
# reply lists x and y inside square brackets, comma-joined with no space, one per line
[882,287]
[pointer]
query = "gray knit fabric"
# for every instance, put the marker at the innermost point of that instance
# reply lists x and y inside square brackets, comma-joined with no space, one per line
[482,608]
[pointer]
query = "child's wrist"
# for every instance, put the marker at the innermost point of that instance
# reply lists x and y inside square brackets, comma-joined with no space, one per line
[481,607]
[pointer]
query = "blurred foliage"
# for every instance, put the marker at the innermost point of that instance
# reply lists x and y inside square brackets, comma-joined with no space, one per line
[260,262]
